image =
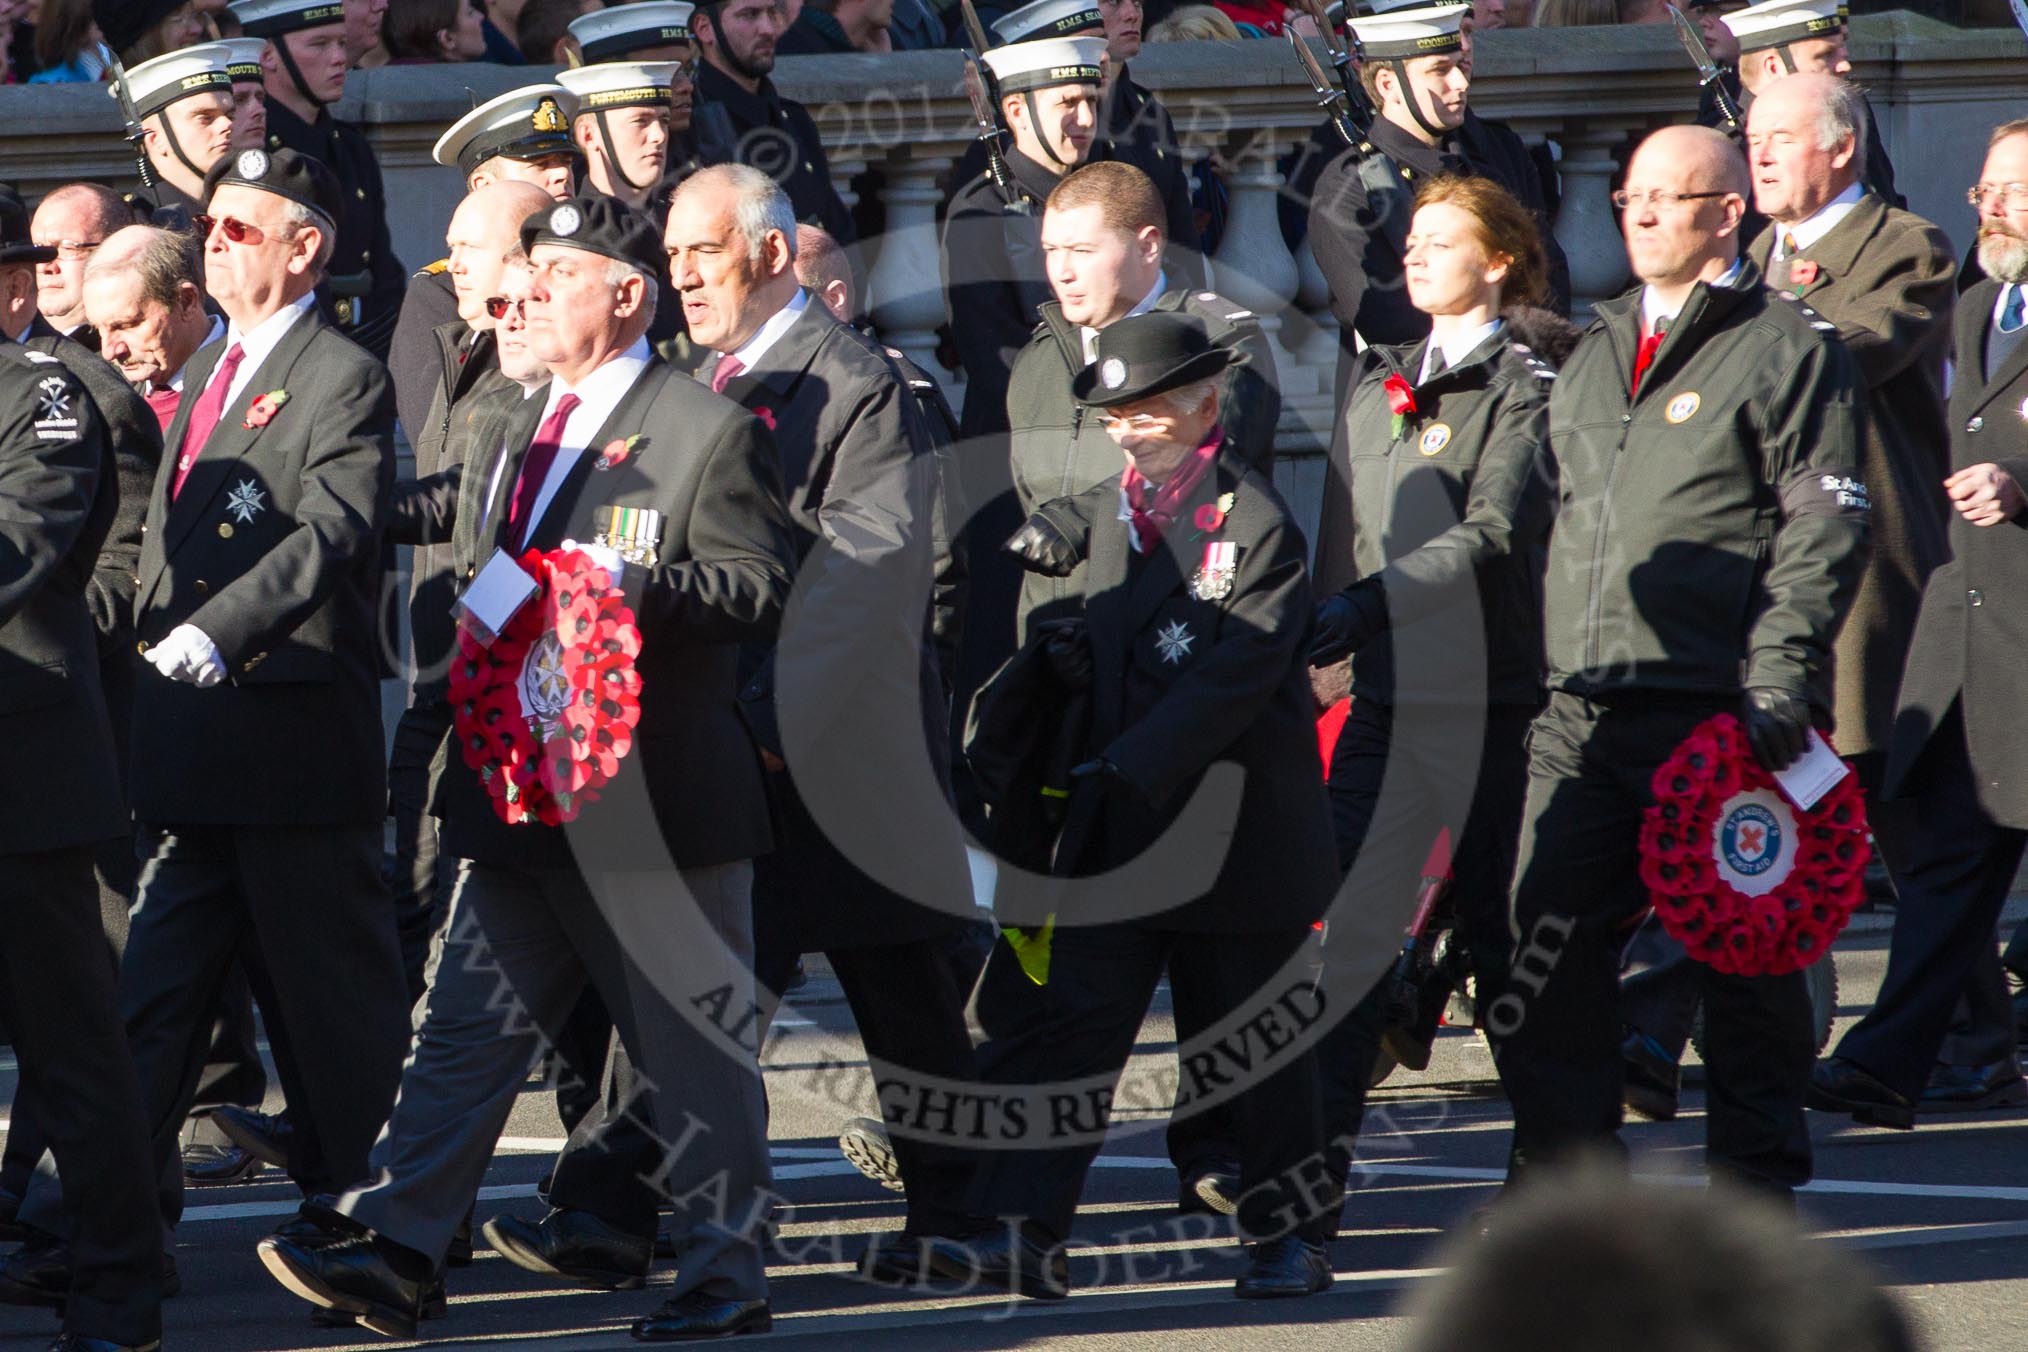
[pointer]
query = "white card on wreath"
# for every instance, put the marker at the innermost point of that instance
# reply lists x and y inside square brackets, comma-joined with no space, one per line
[1815,773]
[497,593]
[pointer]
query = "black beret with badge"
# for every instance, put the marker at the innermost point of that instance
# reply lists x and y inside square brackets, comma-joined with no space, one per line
[301,179]
[597,224]
[1148,354]
[15,244]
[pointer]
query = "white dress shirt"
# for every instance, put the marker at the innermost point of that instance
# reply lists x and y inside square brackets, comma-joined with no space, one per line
[1807,232]
[256,345]
[1147,303]
[1458,348]
[598,395]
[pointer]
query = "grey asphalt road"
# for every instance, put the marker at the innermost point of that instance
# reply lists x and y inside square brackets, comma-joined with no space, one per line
[1942,1213]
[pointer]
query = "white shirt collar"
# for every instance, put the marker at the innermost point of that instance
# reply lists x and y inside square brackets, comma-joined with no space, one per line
[599,393]
[1807,232]
[748,355]
[1089,335]
[1653,310]
[216,332]
[1459,348]
[256,345]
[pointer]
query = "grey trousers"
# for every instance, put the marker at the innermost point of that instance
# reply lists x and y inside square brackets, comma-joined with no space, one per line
[671,953]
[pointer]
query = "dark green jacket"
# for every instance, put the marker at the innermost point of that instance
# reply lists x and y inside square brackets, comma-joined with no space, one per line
[1712,529]
[1059,449]
[1443,527]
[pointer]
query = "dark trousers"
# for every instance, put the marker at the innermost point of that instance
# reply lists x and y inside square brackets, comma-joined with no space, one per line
[311,907]
[1577,889]
[1082,1023]
[1952,890]
[1482,806]
[57,996]
[423,874]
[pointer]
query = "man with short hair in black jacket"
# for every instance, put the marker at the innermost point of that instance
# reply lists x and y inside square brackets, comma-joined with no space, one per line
[1711,534]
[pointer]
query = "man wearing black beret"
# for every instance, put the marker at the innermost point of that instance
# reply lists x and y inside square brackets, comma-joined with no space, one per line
[647,894]
[1193,650]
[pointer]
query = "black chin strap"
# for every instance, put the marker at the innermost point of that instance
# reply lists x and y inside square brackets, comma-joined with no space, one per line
[1408,96]
[1788,59]
[612,155]
[289,65]
[1041,141]
[175,146]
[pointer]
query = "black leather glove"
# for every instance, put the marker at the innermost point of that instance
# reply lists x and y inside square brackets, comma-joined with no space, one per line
[1777,726]
[1102,769]
[1346,622]
[1043,548]
[1068,648]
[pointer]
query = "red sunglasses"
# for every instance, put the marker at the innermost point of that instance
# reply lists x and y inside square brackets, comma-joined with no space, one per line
[236,230]
[498,306]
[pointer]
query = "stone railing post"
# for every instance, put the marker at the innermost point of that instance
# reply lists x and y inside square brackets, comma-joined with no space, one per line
[1587,224]
[1252,265]
[905,286]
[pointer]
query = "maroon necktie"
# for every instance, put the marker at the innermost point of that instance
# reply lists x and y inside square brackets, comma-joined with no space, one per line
[722,374]
[535,469]
[204,416]
[164,402]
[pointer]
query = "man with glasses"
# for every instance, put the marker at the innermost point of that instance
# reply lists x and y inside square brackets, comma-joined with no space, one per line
[305,65]
[1705,445]
[1956,750]
[71,222]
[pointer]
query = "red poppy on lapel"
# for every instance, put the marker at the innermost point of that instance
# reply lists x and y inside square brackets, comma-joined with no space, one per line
[1802,272]
[262,412]
[766,415]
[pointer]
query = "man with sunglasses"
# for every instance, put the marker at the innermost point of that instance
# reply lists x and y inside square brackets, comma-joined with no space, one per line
[305,66]
[1711,534]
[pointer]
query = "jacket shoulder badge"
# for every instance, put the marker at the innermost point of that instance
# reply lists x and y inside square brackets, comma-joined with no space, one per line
[1815,320]
[1211,305]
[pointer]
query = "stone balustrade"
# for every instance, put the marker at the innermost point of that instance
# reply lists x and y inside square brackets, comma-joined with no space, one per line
[1937,90]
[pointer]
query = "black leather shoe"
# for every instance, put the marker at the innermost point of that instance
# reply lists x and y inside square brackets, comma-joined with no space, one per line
[1215,1189]
[351,1276]
[435,1305]
[864,1142]
[265,1136]
[1004,1259]
[37,1273]
[1288,1266]
[212,1166]
[899,1259]
[1963,1089]
[697,1316]
[318,1221]
[1839,1086]
[1651,1083]
[574,1247]
[77,1342]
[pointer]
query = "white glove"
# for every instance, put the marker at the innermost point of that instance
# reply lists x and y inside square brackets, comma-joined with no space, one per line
[188,655]
[605,556]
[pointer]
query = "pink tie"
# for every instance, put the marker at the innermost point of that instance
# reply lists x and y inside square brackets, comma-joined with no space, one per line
[722,374]
[535,470]
[204,417]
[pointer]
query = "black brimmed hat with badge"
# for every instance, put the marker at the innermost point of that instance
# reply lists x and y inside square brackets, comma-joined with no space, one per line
[15,244]
[597,224]
[303,180]
[530,123]
[1148,354]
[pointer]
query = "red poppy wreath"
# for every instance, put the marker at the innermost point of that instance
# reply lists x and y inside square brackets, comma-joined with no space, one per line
[1745,880]
[547,713]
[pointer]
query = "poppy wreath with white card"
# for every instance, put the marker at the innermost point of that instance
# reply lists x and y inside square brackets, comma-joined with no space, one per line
[1744,878]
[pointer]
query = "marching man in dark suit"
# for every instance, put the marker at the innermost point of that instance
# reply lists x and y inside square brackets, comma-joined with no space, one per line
[647,895]
[256,756]
[1957,749]
[57,496]
[1194,646]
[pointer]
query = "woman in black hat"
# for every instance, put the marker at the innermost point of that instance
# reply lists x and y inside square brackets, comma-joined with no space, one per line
[1429,560]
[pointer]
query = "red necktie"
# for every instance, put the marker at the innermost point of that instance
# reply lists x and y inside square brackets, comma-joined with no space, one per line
[204,417]
[1644,355]
[535,469]
[164,402]
[722,374]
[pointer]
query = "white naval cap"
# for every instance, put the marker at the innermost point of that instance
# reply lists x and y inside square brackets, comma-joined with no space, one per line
[243,61]
[608,34]
[1776,23]
[522,124]
[619,84]
[1424,30]
[271,18]
[1048,19]
[154,85]
[1044,64]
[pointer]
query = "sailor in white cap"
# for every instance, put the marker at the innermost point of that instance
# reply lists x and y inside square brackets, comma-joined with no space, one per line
[522,135]
[1049,96]
[658,30]
[1787,37]
[622,125]
[181,106]
[249,91]
[304,66]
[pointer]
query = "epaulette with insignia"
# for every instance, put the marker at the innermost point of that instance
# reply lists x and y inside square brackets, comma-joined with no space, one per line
[431,269]
[42,357]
